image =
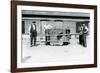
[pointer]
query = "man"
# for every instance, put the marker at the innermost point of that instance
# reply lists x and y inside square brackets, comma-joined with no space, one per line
[83,33]
[47,28]
[33,33]
[68,36]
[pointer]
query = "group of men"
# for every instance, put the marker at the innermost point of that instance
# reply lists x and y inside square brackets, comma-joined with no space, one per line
[82,35]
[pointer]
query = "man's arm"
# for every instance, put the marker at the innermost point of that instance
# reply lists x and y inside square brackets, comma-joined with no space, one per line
[81,28]
[86,29]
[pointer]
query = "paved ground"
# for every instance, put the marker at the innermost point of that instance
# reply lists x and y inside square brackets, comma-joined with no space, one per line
[42,53]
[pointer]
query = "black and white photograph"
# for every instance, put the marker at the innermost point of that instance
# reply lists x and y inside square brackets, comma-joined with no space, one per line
[59,37]
[55,36]
[51,36]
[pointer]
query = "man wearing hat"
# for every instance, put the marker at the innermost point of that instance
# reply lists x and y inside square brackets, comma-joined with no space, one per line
[83,34]
[33,33]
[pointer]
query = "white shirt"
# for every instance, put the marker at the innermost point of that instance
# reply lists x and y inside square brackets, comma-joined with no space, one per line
[85,28]
[47,26]
[32,26]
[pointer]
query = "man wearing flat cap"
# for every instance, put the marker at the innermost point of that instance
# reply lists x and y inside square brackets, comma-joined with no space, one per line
[33,33]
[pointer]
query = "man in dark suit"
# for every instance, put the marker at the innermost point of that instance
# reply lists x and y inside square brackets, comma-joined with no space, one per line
[33,33]
[83,34]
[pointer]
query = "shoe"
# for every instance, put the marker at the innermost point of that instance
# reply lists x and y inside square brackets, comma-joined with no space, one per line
[31,45]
